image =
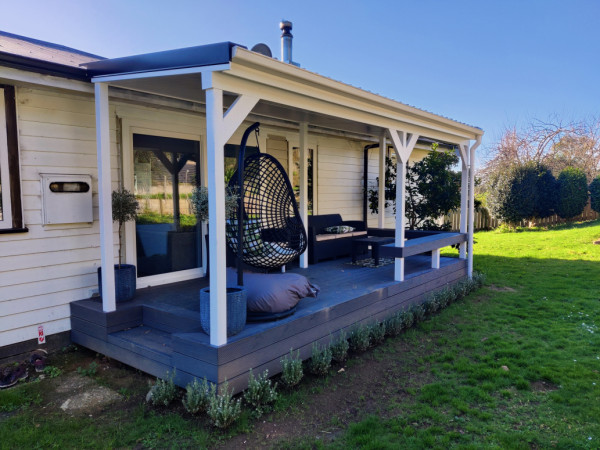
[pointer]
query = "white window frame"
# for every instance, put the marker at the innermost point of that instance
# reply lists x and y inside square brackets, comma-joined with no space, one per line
[6,221]
[130,127]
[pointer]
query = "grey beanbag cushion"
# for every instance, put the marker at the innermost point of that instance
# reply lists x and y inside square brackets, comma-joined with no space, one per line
[273,292]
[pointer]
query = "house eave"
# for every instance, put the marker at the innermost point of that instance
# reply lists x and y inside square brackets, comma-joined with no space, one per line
[247,58]
[42,67]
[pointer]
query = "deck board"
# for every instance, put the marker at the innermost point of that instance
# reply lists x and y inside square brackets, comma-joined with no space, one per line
[163,322]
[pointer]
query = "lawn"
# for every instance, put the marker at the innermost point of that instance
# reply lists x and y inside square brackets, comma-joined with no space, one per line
[517,364]
[513,365]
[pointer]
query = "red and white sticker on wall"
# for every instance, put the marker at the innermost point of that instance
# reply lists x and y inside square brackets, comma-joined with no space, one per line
[41,337]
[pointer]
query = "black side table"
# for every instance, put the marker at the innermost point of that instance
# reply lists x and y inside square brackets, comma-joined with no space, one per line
[374,241]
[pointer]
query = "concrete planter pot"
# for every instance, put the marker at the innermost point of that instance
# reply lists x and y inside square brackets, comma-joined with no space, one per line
[236,310]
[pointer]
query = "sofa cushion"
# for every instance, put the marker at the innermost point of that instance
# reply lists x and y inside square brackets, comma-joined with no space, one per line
[325,237]
[358,233]
[319,222]
[339,229]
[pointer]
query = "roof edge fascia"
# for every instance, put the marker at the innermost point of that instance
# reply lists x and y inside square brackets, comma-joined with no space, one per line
[246,57]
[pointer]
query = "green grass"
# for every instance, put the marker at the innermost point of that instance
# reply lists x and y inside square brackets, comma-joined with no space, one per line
[539,317]
[514,365]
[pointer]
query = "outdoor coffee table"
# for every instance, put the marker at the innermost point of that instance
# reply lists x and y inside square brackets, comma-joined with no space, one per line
[374,241]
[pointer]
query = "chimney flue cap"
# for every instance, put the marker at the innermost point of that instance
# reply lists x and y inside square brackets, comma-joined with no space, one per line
[286,27]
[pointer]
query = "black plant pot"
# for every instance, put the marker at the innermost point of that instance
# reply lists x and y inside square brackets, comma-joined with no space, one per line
[125,282]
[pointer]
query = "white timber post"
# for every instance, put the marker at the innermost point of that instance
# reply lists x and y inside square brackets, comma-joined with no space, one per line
[107,252]
[215,157]
[463,153]
[381,188]
[471,205]
[304,185]
[404,143]
[400,215]
[219,128]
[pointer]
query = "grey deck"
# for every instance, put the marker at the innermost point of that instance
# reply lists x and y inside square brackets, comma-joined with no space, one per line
[160,329]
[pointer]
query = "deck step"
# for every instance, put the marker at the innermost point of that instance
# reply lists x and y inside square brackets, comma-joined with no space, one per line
[171,318]
[145,341]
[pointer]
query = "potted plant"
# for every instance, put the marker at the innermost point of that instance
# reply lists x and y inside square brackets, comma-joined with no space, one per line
[236,296]
[124,209]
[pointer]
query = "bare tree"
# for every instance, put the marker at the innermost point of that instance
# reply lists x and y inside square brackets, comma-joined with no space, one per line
[554,143]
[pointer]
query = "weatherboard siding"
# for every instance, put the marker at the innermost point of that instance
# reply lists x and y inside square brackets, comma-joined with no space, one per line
[48,267]
[43,270]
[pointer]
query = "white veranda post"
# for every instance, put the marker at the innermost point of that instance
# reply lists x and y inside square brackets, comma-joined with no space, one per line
[404,143]
[381,187]
[219,128]
[105,198]
[472,205]
[304,184]
[463,153]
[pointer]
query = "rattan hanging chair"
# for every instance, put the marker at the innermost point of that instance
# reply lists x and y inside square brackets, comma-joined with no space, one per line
[272,232]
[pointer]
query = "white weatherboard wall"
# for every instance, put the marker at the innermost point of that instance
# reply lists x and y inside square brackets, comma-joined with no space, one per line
[41,271]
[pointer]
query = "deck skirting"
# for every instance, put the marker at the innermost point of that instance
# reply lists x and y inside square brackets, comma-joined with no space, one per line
[127,335]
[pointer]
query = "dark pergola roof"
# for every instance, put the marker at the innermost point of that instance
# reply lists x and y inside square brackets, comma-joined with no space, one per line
[202,55]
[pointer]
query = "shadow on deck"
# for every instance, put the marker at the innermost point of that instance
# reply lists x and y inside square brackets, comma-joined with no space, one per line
[160,329]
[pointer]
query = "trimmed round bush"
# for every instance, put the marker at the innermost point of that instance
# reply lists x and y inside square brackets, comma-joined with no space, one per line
[547,192]
[572,192]
[595,194]
[513,194]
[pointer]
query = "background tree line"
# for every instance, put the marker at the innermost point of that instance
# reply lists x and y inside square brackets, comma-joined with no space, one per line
[543,169]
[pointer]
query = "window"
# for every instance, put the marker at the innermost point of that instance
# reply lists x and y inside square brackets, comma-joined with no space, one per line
[11,215]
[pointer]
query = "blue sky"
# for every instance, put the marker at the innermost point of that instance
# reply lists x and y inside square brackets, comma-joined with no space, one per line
[488,63]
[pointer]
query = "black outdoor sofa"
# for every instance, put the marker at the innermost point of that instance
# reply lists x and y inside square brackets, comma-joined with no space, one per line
[323,245]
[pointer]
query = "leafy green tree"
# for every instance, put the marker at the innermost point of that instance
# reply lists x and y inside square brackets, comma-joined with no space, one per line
[572,192]
[432,189]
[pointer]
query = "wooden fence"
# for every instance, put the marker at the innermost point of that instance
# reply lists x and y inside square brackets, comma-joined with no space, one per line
[484,221]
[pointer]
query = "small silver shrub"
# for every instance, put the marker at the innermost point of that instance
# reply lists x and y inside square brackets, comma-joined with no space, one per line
[198,395]
[292,372]
[164,391]
[320,360]
[360,338]
[261,393]
[394,324]
[339,348]
[408,318]
[418,313]
[223,409]
[377,333]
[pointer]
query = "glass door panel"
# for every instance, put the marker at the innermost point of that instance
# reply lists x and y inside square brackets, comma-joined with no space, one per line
[165,172]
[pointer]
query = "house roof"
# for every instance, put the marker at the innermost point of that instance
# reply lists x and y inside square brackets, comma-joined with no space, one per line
[227,54]
[198,56]
[48,58]
[44,51]
[43,57]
